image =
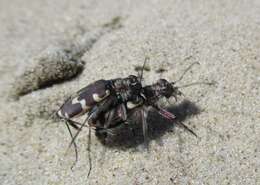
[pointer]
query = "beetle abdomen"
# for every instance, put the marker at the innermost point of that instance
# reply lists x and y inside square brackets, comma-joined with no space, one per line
[87,98]
[72,108]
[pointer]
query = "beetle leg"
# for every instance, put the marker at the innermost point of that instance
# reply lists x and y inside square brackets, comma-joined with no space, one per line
[121,116]
[75,146]
[144,113]
[108,123]
[76,135]
[89,151]
[102,108]
[187,128]
[116,115]
[110,118]
[168,115]
[93,117]
[74,124]
[122,112]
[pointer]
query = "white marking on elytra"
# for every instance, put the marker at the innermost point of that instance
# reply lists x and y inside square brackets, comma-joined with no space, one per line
[98,99]
[84,104]
[81,102]
[75,101]
[131,105]
[60,114]
[66,115]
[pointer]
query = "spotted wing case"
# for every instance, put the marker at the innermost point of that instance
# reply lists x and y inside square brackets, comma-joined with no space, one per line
[86,99]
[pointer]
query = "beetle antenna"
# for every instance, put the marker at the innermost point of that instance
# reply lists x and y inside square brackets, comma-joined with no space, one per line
[142,71]
[76,135]
[197,83]
[185,71]
[186,128]
[89,151]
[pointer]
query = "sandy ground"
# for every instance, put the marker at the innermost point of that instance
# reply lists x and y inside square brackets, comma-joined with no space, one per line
[224,36]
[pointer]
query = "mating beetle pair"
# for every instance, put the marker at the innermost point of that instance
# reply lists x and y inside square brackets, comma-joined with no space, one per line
[97,99]
[148,96]
[109,103]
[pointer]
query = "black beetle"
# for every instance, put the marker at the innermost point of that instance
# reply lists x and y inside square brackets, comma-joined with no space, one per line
[110,92]
[95,99]
[149,97]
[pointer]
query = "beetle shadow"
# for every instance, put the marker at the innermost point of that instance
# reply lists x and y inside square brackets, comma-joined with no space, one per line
[131,135]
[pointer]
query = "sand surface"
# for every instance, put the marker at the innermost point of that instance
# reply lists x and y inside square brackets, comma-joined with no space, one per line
[223,36]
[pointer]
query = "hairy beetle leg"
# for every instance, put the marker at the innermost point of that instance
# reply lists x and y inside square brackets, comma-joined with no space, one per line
[75,124]
[144,113]
[75,147]
[166,114]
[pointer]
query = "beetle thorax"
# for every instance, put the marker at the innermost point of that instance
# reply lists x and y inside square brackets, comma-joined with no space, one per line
[127,88]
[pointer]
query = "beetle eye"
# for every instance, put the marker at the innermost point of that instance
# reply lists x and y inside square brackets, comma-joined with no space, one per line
[133,79]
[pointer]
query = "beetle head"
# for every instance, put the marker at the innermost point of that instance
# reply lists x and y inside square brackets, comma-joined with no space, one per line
[133,83]
[167,89]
